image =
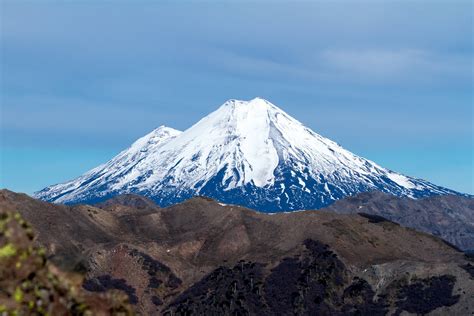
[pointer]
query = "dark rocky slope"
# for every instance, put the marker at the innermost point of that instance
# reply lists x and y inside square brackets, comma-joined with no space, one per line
[201,257]
[447,216]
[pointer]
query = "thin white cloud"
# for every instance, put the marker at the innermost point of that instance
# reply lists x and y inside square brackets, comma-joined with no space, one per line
[407,64]
[373,62]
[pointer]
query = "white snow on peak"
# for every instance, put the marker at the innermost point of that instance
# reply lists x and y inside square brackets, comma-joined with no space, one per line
[235,137]
[245,140]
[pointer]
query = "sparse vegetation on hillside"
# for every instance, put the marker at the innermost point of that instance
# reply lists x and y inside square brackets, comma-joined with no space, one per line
[30,285]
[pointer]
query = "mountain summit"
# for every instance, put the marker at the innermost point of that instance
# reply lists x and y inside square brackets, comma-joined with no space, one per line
[249,153]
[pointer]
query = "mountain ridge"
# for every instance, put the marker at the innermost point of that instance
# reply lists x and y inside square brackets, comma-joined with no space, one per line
[202,257]
[250,153]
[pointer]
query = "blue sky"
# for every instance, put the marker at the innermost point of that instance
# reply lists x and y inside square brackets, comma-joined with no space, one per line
[389,80]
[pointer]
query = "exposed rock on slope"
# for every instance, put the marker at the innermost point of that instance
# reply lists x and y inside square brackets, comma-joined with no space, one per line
[203,257]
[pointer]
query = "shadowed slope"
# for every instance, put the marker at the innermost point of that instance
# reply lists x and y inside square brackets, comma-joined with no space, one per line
[448,216]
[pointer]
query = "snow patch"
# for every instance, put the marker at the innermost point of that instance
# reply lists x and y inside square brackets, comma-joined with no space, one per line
[401,180]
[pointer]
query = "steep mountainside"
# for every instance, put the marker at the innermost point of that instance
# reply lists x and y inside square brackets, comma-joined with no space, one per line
[247,153]
[447,216]
[207,258]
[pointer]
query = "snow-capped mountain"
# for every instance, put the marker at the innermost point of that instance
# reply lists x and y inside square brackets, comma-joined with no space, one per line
[249,153]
